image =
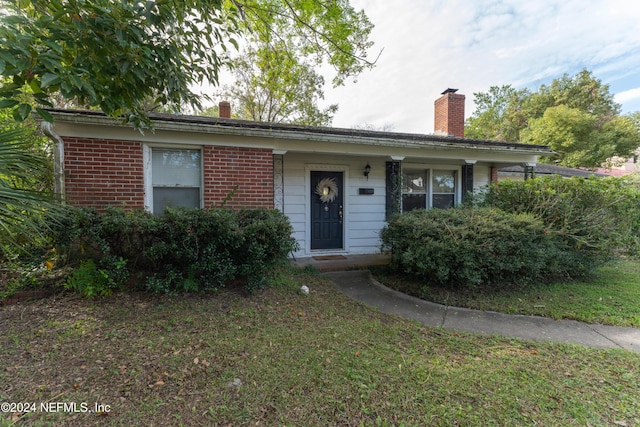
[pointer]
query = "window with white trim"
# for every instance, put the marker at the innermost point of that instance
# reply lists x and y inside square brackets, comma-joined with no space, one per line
[428,188]
[176,178]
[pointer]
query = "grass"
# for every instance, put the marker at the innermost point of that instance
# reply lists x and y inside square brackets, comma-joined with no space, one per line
[278,357]
[611,297]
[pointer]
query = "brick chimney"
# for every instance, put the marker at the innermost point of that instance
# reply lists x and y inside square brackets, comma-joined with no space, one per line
[225,109]
[449,114]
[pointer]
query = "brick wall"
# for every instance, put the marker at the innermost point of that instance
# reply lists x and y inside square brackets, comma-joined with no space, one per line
[101,173]
[251,169]
[449,114]
[494,175]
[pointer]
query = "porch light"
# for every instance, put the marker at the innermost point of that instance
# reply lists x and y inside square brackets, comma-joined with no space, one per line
[367,169]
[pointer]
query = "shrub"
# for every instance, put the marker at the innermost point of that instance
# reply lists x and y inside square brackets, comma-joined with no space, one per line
[596,216]
[266,242]
[183,250]
[471,247]
[92,280]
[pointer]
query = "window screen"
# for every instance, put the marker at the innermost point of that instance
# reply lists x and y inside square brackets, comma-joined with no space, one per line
[176,177]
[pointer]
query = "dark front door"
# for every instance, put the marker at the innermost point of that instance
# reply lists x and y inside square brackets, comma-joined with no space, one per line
[327,203]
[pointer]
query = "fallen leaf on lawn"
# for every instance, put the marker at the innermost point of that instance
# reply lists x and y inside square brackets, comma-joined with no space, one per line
[205,363]
[196,360]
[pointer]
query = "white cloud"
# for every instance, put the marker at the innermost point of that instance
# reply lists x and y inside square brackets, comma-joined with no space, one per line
[628,95]
[429,46]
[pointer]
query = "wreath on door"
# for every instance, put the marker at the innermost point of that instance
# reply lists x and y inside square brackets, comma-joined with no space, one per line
[327,189]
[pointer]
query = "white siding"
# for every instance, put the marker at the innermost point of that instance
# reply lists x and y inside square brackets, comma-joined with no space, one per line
[363,214]
[481,176]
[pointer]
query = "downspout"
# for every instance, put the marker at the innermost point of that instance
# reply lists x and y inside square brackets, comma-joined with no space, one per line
[58,160]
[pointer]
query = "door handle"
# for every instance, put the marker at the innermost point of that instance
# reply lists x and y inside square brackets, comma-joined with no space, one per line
[340,213]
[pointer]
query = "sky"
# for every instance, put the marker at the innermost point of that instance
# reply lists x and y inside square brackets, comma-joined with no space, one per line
[470,45]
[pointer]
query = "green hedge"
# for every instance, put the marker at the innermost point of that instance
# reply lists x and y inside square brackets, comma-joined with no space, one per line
[471,247]
[520,232]
[182,250]
[600,216]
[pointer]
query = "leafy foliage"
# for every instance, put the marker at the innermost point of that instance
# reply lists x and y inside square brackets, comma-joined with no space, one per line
[115,56]
[578,138]
[520,232]
[23,200]
[183,250]
[271,85]
[596,217]
[91,280]
[471,247]
[325,30]
[576,116]
[499,114]
[111,55]
[35,143]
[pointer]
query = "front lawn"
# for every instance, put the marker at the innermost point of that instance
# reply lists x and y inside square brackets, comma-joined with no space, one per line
[278,357]
[612,297]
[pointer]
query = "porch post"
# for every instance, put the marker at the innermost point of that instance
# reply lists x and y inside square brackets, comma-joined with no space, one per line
[529,170]
[393,186]
[467,179]
[278,179]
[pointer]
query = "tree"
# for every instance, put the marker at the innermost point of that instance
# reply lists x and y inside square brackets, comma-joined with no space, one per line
[33,142]
[576,116]
[23,201]
[497,115]
[578,139]
[568,131]
[26,182]
[273,86]
[114,55]
[583,91]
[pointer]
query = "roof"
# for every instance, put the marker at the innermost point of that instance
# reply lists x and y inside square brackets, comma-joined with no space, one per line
[164,121]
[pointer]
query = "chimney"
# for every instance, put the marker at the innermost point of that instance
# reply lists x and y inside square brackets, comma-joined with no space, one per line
[225,109]
[449,114]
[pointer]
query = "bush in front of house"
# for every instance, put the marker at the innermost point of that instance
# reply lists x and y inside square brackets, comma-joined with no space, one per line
[182,250]
[596,216]
[473,247]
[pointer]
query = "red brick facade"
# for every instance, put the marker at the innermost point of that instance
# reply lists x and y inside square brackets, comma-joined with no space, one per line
[494,175]
[449,114]
[101,173]
[251,169]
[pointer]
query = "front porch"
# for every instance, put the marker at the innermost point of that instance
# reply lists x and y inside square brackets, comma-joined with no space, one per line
[325,263]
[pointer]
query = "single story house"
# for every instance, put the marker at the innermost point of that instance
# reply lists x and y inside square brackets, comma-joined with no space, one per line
[337,186]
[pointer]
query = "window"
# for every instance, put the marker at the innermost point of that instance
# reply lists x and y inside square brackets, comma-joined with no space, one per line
[444,189]
[424,189]
[176,176]
[414,190]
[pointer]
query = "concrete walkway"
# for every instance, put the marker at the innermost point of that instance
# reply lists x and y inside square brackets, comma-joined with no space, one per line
[361,286]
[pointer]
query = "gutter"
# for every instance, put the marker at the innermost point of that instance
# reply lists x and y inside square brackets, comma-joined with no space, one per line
[58,159]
